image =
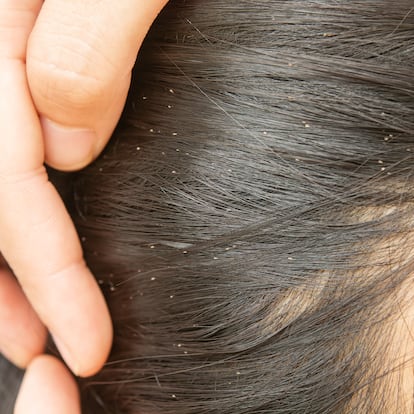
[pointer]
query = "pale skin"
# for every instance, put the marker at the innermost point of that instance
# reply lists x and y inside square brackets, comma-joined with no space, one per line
[65,69]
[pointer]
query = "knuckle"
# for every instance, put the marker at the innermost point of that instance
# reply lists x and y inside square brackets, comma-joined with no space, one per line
[23,179]
[66,78]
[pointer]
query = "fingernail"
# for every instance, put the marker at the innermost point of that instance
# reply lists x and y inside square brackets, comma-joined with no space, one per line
[66,355]
[67,148]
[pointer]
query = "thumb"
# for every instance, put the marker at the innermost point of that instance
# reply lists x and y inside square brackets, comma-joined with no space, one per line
[79,61]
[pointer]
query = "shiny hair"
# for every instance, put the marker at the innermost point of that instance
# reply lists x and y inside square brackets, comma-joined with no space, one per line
[251,222]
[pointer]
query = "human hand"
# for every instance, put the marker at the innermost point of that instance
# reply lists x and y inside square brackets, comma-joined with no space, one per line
[79,56]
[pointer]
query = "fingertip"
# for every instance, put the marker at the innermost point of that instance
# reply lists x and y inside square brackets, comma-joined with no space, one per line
[82,328]
[98,351]
[20,355]
[48,388]
[79,70]
[86,358]
[21,351]
[22,334]
[68,149]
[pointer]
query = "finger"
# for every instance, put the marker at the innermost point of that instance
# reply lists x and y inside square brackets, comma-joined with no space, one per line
[16,22]
[22,335]
[79,63]
[48,388]
[37,237]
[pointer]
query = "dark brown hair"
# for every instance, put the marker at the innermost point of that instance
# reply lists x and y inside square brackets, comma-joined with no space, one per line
[251,221]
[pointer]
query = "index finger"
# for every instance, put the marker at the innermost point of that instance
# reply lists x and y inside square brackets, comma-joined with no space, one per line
[37,236]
